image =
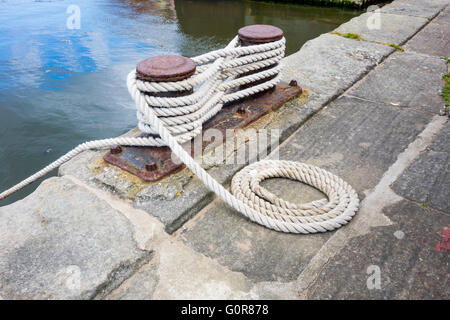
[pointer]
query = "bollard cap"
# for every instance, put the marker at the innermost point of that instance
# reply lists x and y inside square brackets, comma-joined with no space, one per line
[260,33]
[165,68]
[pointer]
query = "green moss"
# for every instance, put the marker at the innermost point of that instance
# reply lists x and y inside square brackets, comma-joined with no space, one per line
[446,91]
[355,36]
[424,205]
[393,45]
[348,35]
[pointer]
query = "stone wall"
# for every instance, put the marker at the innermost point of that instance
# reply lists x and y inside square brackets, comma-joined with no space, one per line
[339,3]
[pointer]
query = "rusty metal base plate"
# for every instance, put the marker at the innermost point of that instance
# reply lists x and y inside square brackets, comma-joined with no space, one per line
[154,163]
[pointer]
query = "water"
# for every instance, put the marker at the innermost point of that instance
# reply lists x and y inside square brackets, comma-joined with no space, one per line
[61,86]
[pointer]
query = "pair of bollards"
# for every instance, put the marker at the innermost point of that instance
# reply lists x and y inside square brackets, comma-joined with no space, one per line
[173,68]
[177,68]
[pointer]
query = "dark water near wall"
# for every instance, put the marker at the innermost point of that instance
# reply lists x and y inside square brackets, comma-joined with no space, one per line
[60,86]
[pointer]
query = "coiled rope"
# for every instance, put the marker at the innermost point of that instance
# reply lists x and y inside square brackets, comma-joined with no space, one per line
[218,79]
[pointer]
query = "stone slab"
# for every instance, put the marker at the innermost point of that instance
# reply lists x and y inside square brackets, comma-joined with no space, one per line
[330,64]
[419,8]
[427,180]
[404,255]
[392,28]
[358,140]
[406,79]
[433,40]
[259,253]
[51,247]
[442,142]
[355,139]
[443,17]
[178,272]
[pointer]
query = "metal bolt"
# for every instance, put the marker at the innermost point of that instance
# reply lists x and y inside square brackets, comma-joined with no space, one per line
[293,83]
[116,149]
[151,166]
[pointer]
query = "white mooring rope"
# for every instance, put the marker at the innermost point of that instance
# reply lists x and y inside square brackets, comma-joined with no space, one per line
[217,80]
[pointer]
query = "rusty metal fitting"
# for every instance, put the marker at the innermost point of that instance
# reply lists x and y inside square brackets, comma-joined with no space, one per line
[259,33]
[151,166]
[116,149]
[241,110]
[165,68]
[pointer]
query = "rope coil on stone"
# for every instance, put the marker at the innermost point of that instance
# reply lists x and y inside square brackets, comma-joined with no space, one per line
[223,76]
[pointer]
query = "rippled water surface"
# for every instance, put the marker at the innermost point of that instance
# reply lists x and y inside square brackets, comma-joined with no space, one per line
[61,85]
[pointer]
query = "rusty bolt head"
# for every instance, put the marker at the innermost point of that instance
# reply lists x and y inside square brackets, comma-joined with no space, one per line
[259,33]
[165,68]
[241,110]
[293,83]
[116,149]
[151,166]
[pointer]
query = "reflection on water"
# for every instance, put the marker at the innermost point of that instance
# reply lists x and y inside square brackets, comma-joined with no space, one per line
[60,86]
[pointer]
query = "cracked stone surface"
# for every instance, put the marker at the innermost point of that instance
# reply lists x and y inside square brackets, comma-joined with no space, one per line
[342,139]
[418,8]
[395,29]
[406,79]
[53,248]
[433,40]
[405,254]
[427,180]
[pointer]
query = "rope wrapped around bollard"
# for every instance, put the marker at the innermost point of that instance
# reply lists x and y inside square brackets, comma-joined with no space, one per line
[241,69]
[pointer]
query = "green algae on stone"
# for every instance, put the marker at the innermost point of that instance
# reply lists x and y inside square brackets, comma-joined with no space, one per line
[393,45]
[348,35]
[446,91]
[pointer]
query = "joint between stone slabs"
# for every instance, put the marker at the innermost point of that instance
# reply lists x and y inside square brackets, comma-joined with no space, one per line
[113,281]
[391,10]
[381,103]
[357,37]
[424,205]
[426,108]
[371,203]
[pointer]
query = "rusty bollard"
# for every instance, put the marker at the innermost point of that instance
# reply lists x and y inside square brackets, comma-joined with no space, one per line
[258,34]
[166,69]
[156,69]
